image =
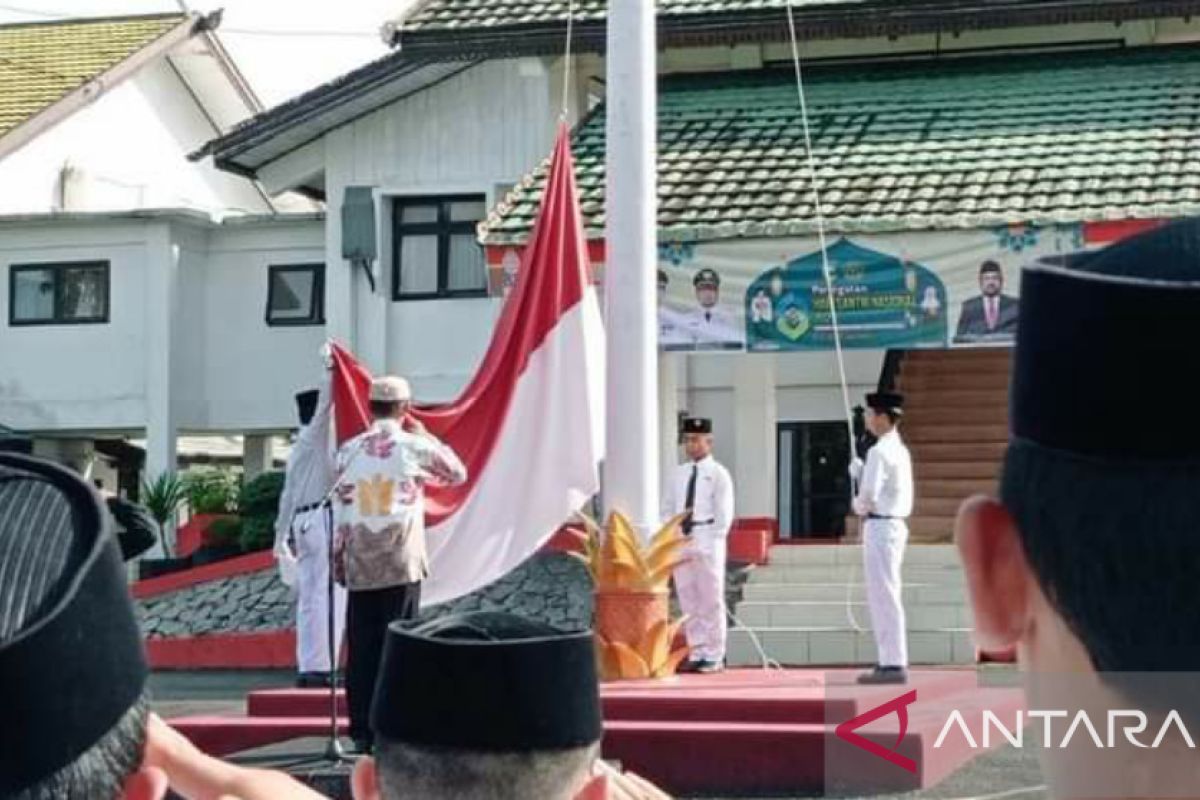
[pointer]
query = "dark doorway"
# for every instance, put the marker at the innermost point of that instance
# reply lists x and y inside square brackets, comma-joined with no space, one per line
[814,484]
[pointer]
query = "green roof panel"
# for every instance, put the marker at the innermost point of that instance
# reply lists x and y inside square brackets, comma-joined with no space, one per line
[933,145]
[453,14]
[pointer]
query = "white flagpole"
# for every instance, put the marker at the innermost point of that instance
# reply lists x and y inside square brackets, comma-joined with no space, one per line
[631,479]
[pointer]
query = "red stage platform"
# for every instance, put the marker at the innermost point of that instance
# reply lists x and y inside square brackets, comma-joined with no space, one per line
[741,732]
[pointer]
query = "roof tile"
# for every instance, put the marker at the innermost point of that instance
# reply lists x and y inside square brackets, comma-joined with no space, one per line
[43,61]
[1047,139]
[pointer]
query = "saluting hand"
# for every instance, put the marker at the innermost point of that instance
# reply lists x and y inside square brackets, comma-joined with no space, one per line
[414,425]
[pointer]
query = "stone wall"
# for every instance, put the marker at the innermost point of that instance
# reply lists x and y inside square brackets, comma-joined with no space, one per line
[242,604]
[551,587]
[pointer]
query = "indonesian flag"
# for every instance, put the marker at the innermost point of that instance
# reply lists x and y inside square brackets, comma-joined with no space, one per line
[529,426]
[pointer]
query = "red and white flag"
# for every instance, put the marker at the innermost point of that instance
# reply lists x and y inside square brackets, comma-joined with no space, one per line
[530,425]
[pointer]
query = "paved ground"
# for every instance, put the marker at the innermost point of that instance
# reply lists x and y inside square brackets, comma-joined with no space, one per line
[1007,773]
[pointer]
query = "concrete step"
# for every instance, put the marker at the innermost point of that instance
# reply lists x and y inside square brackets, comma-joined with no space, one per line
[805,555]
[955,381]
[804,575]
[914,369]
[984,470]
[791,613]
[939,452]
[921,416]
[958,433]
[938,404]
[937,506]
[963,355]
[804,646]
[923,530]
[931,530]
[837,592]
[954,489]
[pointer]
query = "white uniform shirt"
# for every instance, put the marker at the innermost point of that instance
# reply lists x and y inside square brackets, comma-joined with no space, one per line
[309,477]
[671,328]
[886,488]
[713,508]
[712,326]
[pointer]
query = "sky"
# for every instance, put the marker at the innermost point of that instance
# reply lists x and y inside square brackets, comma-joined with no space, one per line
[283,47]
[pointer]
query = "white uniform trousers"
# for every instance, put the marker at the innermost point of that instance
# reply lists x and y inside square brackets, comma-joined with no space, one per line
[884,541]
[700,584]
[312,586]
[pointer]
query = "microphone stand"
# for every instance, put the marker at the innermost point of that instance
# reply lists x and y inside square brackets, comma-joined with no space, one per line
[334,752]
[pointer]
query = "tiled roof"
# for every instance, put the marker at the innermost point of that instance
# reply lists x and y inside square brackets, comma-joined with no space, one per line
[935,145]
[451,14]
[41,62]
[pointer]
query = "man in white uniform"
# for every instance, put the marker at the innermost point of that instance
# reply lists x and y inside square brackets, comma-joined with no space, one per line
[885,498]
[704,488]
[302,532]
[710,326]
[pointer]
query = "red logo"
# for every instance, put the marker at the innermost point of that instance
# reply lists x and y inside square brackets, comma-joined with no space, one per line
[846,731]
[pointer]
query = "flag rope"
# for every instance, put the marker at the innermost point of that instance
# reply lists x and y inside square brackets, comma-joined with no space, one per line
[819,214]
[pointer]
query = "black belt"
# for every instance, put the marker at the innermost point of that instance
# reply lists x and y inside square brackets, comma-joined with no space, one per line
[881,516]
[311,507]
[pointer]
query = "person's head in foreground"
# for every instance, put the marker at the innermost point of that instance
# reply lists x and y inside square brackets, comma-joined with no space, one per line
[72,710]
[1090,560]
[74,718]
[484,706]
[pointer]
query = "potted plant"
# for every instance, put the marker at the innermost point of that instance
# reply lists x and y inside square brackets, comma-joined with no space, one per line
[258,504]
[220,540]
[633,630]
[211,495]
[163,498]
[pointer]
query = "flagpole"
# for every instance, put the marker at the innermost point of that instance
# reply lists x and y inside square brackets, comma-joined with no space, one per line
[631,469]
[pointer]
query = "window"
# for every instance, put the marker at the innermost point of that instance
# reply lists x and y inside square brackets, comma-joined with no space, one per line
[58,294]
[296,294]
[436,254]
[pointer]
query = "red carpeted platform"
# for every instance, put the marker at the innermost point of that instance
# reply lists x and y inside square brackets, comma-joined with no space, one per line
[741,732]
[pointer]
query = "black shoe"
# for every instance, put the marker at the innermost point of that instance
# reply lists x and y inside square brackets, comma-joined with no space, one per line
[710,667]
[313,680]
[884,676]
[688,667]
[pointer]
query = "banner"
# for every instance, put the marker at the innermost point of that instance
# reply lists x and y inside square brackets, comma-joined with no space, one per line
[901,290]
[880,301]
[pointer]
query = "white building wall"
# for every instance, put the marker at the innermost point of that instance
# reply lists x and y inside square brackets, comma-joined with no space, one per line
[77,377]
[483,128]
[187,348]
[127,150]
[238,373]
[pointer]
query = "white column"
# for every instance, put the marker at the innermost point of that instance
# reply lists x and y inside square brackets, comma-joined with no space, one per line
[755,419]
[668,413]
[257,455]
[339,280]
[631,481]
[162,306]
